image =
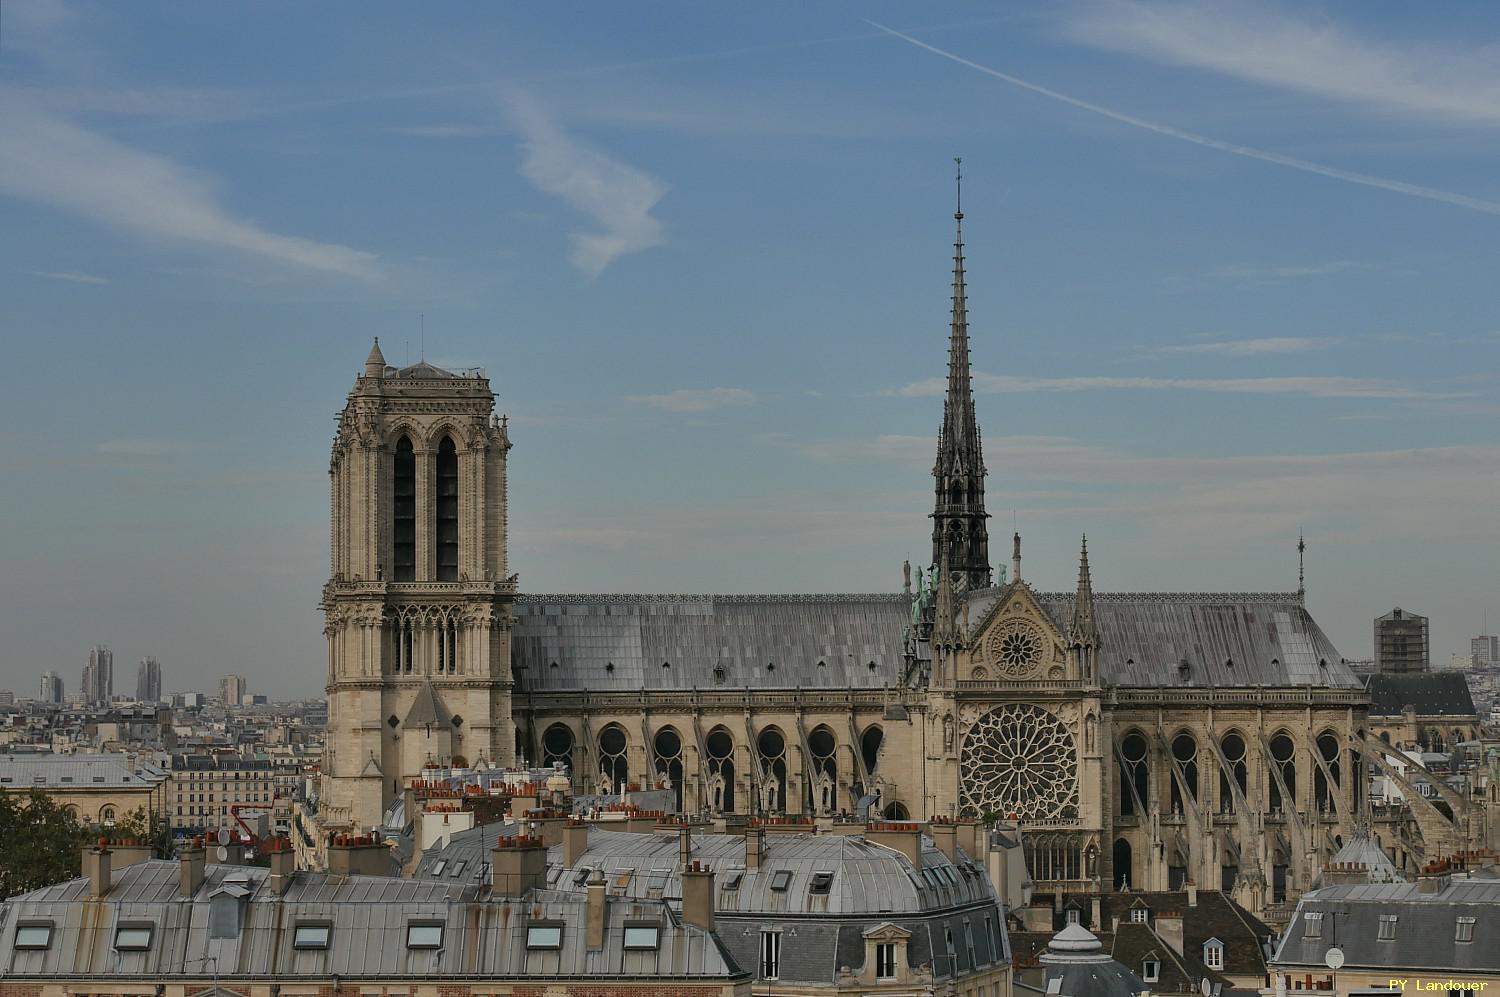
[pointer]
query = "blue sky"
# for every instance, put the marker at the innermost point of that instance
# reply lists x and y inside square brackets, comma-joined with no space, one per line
[1231,275]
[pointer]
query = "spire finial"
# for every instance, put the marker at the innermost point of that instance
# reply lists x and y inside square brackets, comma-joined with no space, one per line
[1301,578]
[959,180]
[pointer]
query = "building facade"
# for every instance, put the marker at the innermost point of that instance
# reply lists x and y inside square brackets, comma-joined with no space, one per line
[417,608]
[232,689]
[98,685]
[1144,740]
[1401,642]
[148,681]
[52,690]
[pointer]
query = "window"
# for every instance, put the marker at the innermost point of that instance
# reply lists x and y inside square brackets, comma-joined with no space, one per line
[457,870]
[311,936]
[969,942]
[447,511]
[770,954]
[1312,925]
[885,961]
[1137,915]
[33,935]
[822,883]
[1465,931]
[424,935]
[544,936]
[1072,916]
[1387,927]
[1151,970]
[642,936]
[781,879]
[1213,954]
[732,881]
[581,876]
[133,937]
[439,866]
[622,878]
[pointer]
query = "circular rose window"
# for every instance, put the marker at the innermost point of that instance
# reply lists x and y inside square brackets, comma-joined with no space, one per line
[1016,649]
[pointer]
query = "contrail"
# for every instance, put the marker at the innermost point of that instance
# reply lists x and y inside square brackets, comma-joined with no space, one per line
[1364,179]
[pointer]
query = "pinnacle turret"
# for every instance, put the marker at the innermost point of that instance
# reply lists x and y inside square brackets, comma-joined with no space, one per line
[1082,625]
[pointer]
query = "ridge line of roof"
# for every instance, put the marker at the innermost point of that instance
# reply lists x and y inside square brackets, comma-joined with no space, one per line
[590,597]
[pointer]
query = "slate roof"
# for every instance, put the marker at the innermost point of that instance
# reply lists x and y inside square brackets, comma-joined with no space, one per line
[102,771]
[1425,936]
[871,885]
[1229,639]
[426,709]
[623,642]
[368,915]
[1437,694]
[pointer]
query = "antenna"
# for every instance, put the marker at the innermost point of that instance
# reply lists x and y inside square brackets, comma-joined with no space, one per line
[959,162]
[422,342]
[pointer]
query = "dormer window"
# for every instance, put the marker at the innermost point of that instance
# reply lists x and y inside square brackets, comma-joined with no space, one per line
[780,880]
[1213,954]
[545,936]
[424,935]
[732,881]
[581,876]
[1137,915]
[1465,930]
[1312,925]
[33,935]
[885,961]
[1151,970]
[311,935]
[646,935]
[1072,915]
[1387,927]
[133,936]
[822,883]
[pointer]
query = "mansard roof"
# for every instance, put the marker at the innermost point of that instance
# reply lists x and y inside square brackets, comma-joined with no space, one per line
[1227,638]
[633,642]
[1433,694]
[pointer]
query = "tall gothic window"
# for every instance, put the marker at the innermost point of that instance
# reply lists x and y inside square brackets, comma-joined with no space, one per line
[447,511]
[404,513]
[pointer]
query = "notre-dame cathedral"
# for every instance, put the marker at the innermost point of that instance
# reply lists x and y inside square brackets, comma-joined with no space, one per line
[1142,739]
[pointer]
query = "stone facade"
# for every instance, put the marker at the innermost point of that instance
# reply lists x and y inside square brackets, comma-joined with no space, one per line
[417,608]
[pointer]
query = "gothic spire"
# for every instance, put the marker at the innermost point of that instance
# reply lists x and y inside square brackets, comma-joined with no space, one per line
[958,516]
[1082,624]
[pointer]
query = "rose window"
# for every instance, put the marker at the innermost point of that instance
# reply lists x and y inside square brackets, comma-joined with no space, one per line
[1016,648]
[1019,759]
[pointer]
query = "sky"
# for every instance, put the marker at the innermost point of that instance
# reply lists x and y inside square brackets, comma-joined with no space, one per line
[1231,278]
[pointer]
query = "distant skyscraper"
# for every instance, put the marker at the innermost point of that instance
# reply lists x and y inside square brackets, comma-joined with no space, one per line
[232,689]
[99,676]
[1486,650]
[1401,642]
[148,681]
[52,688]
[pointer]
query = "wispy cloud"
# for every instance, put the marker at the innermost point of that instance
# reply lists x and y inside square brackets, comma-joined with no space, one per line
[72,276]
[1234,149]
[47,159]
[1306,55]
[443,131]
[695,399]
[1276,274]
[1314,386]
[1256,347]
[616,197]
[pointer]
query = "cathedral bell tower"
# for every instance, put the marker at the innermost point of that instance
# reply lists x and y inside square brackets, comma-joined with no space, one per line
[958,517]
[417,610]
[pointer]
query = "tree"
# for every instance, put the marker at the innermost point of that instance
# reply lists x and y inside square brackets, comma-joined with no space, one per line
[148,827]
[43,842]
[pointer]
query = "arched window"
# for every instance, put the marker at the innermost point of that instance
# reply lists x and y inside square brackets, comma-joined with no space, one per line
[557,745]
[614,768]
[1135,773]
[771,746]
[720,745]
[823,791]
[446,511]
[1328,749]
[1185,750]
[1122,859]
[404,513]
[667,746]
[1233,747]
[1283,756]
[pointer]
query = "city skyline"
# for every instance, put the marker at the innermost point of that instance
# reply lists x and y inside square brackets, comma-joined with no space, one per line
[724,368]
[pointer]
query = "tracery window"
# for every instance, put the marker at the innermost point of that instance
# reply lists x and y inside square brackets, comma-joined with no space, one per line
[720,745]
[1185,751]
[614,769]
[1015,649]
[1233,747]
[404,513]
[1020,759]
[823,791]
[1328,750]
[1135,773]
[1283,756]
[446,511]
[771,746]
[667,746]
[557,745]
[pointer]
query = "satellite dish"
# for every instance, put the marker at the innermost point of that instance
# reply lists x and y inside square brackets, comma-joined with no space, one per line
[1334,958]
[1206,986]
[222,836]
[222,854]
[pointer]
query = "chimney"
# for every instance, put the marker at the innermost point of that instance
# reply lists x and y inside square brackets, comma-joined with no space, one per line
[903,837]
[358,855]
[755,845]
[283,865]
[968,838]
[945,835]
[685,845]
[698,896]
[595,910]
[1169,929]
[1096,917]
[526,798]
[128,853]
[518,866]
[96,863]
[1192,892]
[190,863]
[547,824]
[575,842]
